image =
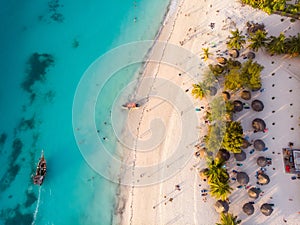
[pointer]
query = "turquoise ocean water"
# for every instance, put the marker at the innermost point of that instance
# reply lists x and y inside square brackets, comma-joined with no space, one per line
[45,48]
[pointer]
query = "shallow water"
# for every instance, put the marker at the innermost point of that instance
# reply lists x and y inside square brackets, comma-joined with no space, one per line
[45,48]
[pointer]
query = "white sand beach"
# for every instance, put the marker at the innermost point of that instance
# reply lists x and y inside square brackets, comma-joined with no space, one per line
[189,26]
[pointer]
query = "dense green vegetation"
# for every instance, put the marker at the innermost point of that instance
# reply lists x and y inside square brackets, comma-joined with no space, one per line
[275,45]
[274,6]
[236,40]
[228,219]
[233,137]
[247,76]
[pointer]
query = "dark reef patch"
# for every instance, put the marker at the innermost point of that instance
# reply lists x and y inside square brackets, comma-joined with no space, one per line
[54,6]
[3,138]
[14,216]
[17,148]
[27,124]
[75,43]
[37,69]
[30,199]
[9,176]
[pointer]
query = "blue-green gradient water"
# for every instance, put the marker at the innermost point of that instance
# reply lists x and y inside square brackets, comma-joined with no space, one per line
[45,48]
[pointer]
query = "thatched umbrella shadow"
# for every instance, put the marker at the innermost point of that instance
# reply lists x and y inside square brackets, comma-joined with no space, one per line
[248,208]
[223,154]
[257,105]
[263,179]
[258,125]
[261,161]
[234,53]
[221,206]
[238,106]
[254,192]
[242,178]
[240,156]
[266,209]
[259,145]
[246,95]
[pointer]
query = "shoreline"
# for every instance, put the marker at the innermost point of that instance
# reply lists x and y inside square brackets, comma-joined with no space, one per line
[186,204]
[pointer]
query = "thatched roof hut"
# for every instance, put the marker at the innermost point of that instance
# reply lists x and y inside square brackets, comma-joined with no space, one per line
[250,55]
[254,192]
[263,179]
[257,105]
[266,209]
[248,208]
[212,91]
[222,60]
[240,156]
[245,144]
[221,206]
[226,95]
[258,124]
[223,154]
[246,95]
[259,145]
[234,53]
[242,178]
[238,106]
[261,161]
[253,27]
[203,172]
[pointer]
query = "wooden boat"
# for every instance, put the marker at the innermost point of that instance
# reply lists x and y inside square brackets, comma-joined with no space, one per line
[131,105]
[41,170]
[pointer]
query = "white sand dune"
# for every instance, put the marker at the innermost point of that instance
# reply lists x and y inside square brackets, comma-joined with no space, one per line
[189,26]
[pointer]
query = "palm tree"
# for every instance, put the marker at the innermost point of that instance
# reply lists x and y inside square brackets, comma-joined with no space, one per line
[216,172]
[228,219]
[198,91]
[220,190]
[258,40]
[206,53]
[276,44]
[237,40]
[292,45]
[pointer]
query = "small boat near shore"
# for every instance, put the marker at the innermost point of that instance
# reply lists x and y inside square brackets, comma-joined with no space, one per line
[41,170]
[131,105]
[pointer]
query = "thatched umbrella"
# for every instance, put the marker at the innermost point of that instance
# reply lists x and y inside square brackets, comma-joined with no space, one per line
[261,161]
[240,156]
[250,55]
[253,27]
[234,53]
[259,145]
[222,60]
[245,144]
[223,154]
[266,209]
[246,95]
[248,208]
[242,178]
[221,206]
[263,179]
[254,192]
[257,105]
[258,124]
[237,106]
[203,173]
[212,91]
[226,95]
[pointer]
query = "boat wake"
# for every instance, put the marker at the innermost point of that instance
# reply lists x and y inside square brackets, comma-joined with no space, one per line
[37,207]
